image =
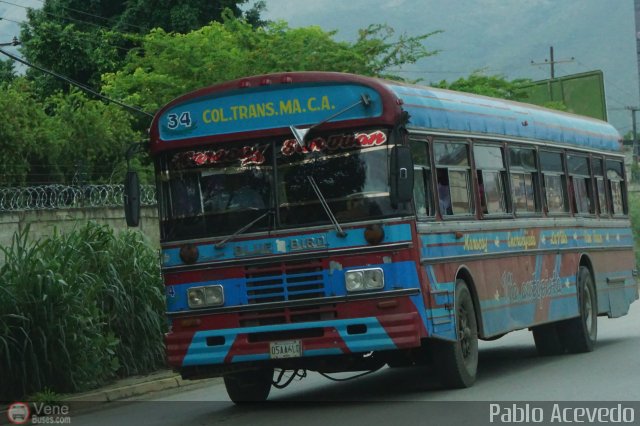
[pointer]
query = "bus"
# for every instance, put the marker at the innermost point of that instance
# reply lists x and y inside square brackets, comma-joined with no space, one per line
[332,222]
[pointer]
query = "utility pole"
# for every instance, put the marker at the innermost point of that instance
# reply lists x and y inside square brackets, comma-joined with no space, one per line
[14,42]
[552,62]
[635,133]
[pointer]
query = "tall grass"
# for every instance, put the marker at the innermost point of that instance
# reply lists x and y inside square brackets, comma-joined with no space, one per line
[77,310]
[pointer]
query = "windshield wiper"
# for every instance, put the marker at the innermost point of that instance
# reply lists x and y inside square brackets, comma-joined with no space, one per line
[326,207]
[301,134]
[223,242]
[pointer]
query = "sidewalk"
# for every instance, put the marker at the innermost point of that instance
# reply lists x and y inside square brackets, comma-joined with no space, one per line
[135,386]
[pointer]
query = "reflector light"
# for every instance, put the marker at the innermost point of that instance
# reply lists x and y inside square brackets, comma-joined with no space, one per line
[374,234]
[189,253]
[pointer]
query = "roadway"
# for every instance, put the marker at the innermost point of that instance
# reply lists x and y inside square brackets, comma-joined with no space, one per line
[509,370]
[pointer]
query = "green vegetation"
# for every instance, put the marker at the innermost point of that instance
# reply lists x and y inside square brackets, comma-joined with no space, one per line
[77,310]
[146,53]
[84,39]
[489,85]
[170,64]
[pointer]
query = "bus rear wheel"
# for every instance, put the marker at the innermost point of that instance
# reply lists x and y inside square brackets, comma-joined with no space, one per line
[249,386]
[457,362]
[580,334]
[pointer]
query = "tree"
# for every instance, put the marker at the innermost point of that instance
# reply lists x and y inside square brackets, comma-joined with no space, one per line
[84,39]
[168,65]
[24,134]
[7,71]
[91,138]
[56,140]
[497,86]
[494,86]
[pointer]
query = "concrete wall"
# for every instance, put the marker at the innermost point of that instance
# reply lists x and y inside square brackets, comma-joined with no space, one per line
[43,222]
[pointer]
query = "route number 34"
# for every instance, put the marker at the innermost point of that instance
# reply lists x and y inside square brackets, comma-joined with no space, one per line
[175,120]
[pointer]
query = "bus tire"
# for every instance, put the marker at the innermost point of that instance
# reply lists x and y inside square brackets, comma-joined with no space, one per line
[580,334]
[548,340]
[249,386]
[457,362]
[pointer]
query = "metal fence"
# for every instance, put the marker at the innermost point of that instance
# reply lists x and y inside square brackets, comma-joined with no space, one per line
[49,197]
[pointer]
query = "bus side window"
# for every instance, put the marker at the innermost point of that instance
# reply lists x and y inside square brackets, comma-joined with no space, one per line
[582,198]
[452,174]
[615,176]
[601,192]
[523,170]
[422,188]
[554,181]
[491,174]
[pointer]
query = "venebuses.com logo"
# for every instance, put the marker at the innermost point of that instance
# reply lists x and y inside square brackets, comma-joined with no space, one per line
[18,413]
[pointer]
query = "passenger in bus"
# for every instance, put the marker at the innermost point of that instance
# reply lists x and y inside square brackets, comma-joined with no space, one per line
[185,197]
[244,197]
[234,194]
[444,193]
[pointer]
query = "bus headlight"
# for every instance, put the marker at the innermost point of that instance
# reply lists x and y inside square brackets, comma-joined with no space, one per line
[364,279]
[201,297]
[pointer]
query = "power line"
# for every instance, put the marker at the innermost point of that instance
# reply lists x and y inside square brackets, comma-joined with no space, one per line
[96,16]
[11,20]
[124,49]
[104,27]
[75,83]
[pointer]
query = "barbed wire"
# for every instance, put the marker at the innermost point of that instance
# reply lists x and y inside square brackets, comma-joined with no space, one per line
[51,197]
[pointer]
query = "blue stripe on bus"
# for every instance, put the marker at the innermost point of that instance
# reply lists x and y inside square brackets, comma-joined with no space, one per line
[282,245]
[398,275]
[446,245]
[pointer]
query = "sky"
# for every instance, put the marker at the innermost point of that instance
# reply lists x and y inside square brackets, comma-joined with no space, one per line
[496,37]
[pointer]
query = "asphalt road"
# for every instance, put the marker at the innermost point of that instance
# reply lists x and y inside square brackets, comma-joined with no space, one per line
[509,370]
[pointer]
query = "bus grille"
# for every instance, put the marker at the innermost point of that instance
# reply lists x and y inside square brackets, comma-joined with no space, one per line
[284,282]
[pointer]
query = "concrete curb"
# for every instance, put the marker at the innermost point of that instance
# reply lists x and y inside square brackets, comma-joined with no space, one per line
[128,391]
[139,386]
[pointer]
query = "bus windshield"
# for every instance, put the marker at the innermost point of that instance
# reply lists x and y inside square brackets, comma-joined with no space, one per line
[351,172]
[215,192]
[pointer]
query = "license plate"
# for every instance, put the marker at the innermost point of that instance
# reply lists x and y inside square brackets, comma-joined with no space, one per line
[287,349]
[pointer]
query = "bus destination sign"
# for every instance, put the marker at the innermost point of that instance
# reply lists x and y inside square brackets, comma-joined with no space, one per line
[266,109]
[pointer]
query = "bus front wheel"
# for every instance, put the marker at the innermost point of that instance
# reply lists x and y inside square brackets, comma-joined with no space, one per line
[249,386]
[457,362]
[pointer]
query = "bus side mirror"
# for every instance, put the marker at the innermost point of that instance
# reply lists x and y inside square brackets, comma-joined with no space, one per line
[401,178]
[132,198]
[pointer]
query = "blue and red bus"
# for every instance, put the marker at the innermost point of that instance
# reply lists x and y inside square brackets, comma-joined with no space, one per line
[332,222]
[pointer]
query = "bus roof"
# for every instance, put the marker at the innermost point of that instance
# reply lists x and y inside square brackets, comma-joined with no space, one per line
[267,105]
[445,110]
